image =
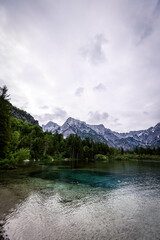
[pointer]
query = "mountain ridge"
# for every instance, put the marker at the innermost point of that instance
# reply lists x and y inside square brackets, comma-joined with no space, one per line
[128,141]
[23,115]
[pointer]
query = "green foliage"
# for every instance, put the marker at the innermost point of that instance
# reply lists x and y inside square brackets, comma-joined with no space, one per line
[59,156]
[146,151]
[8,163]
[113,151]
[134,156]
[123,156]
[87,152]
[22,154]
[47,159]
[15,140]
[101,157]
[5,127]
[36,147]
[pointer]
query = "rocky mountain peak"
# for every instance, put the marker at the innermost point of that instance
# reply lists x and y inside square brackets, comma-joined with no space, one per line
[50,127]
[130,140]
[52,124]
[73,121]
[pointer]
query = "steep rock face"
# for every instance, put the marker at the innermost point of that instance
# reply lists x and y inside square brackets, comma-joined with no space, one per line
[130,140]
[23,115]
[149,137]
[73,126]
[50,127]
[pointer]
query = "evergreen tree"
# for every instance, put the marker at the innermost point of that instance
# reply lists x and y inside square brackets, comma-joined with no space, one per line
[5,129]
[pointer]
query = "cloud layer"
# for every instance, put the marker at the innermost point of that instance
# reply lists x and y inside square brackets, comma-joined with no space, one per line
[83,60]
[97,117]
[93,52]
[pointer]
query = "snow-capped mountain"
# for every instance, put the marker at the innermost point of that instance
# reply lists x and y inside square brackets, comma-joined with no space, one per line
[143,138]
[50,127]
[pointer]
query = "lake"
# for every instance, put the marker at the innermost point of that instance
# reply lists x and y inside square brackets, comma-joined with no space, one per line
[115,200]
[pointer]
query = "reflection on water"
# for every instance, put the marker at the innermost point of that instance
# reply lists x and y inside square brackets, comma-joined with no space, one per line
[113,201]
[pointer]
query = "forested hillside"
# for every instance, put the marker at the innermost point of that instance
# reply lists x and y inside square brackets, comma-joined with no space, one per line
[20,140]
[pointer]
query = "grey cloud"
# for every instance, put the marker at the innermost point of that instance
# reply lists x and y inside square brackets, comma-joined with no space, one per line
[43,117]
[79,91]
[93,52]
[32,75]
[59,114]
[156,11]
[35,68]
[145,113]
[146,28]
[155,114]
[99,87]
[116,124]
[44,107]
[145,31]
[116,120]
[97,116]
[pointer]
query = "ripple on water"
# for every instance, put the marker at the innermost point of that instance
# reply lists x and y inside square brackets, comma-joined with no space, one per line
[87,205]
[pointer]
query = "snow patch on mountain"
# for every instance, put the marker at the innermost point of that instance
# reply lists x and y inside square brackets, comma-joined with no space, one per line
[130,140]
[50,127]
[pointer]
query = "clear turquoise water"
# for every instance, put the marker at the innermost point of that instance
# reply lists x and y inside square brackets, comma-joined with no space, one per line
[118,200]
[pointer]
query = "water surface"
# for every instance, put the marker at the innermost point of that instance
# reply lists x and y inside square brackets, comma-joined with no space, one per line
[117,200]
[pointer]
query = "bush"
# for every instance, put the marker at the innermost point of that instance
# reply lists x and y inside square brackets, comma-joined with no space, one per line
[8,163]
[101,157]
[47,159]
[59,156]
[22,154]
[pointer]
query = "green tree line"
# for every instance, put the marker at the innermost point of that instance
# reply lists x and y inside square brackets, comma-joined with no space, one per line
[22,140]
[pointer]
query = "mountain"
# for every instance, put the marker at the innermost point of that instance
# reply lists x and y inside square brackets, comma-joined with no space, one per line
[130,140]
[51,127]
[23,115]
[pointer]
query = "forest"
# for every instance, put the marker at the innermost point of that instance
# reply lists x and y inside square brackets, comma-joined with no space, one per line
[21,141]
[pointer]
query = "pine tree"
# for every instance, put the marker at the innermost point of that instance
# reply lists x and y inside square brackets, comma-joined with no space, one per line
[5,129]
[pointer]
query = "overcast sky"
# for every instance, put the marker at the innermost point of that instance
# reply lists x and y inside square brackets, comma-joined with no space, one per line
[94,60]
